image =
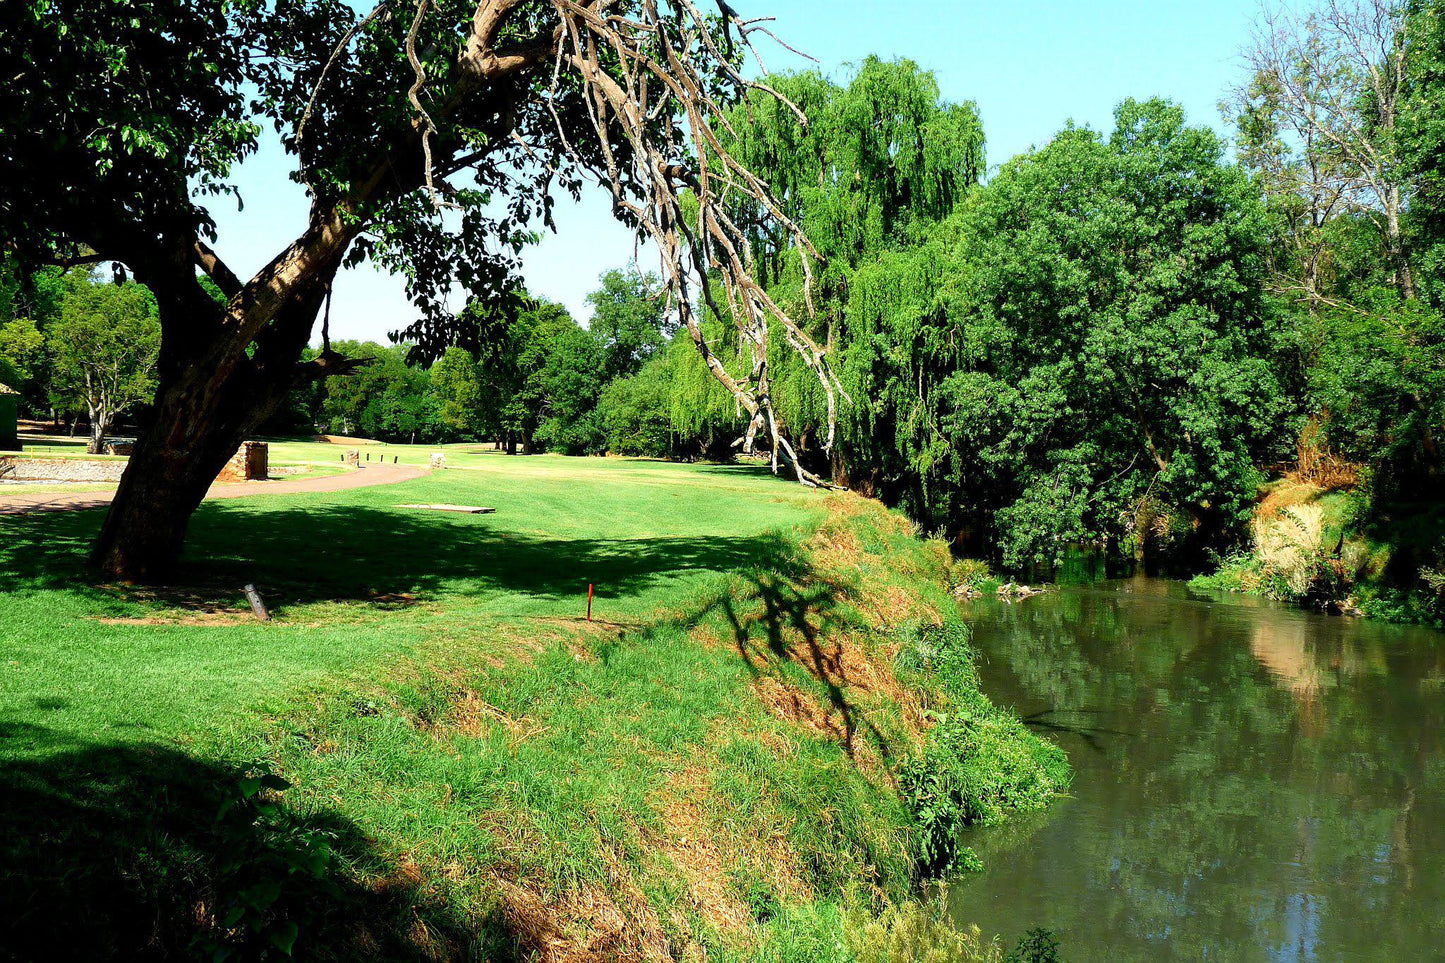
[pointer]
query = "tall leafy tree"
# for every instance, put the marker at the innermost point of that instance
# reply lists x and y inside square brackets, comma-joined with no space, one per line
[634,413]
[1342,127]
[28,302]
[457,394]
[1320,122]
[120,116]
[566,386]
[541,375]
[1115,358]
[22,354]
[386,399]
[882,160]
[103,346]
[1423,141]
[629,320]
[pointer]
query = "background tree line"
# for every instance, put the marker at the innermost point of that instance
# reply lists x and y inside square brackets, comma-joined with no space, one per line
[1118,336]
[73,344]
[1110,341]
[81,347]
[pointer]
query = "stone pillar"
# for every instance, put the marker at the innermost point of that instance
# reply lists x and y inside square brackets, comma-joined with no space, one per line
[251,462]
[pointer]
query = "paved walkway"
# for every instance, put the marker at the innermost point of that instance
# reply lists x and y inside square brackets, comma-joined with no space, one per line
[364,477]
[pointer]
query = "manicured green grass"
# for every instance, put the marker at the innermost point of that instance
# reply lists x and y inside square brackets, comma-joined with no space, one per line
[475,770]
[323,561]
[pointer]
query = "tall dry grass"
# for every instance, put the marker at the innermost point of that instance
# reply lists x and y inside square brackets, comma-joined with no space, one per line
[1290,545]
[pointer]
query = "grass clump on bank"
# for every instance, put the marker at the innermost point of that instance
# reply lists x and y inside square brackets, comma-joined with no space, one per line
[1336,549]
[773,726]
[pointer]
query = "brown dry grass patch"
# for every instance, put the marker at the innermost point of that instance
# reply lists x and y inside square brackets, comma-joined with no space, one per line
[1287,494]
[1316,464]
[792,704]
[585,924]
[702,850]
[211,617]
[471,715]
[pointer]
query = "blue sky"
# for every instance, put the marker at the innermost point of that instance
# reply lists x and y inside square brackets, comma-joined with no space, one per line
[1030,65]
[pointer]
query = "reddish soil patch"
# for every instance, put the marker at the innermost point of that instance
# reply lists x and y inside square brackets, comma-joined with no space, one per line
[365,477]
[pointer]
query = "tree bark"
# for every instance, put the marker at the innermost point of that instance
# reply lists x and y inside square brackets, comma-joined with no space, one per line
[1404,277]
[210,398]
[161,489]
[98,425]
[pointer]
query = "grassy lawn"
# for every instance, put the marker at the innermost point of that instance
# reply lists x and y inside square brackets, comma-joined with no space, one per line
[99,661]
[471,769]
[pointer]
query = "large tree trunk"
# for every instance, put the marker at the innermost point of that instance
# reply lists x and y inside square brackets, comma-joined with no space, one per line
[206,405]
[199,423]
[162,487]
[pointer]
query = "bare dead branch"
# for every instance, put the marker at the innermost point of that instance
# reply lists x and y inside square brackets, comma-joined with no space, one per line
[413,94]
[648,82]
[660,73]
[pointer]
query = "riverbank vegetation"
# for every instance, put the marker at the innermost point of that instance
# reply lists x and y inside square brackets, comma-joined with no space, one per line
[767,736]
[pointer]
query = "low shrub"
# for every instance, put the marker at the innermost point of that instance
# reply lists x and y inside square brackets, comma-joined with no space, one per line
[977,764]
[915,933]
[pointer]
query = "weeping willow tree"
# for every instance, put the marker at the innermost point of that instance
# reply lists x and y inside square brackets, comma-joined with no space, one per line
[881,162]
[1077,351]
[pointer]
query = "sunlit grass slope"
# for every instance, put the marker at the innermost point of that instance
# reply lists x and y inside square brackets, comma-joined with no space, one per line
[771,725]
[353,578]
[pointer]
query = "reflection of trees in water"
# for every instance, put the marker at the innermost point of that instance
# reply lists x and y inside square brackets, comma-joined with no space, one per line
[1280,784]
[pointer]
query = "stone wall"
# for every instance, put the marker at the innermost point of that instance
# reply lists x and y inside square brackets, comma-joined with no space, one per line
[251,462]
[18,468]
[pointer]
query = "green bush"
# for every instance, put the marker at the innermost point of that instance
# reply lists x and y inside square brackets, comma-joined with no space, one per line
[978,763]
[914,933]
[633,413]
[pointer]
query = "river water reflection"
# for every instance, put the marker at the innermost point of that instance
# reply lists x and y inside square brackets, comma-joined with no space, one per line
[1252,782]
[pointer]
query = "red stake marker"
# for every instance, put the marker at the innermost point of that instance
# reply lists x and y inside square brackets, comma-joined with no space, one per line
[589,601]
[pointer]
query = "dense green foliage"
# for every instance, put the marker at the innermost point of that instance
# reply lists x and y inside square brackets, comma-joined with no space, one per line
[977,767]
[1109,357]
[1107,344]
[73,342]
[1423,142]
[104,346]
[1077,352]
[630,319]
[1360,297]
[537,381]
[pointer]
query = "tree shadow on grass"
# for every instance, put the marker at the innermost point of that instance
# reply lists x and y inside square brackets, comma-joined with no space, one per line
[799,617]
[345,552]
[124,852]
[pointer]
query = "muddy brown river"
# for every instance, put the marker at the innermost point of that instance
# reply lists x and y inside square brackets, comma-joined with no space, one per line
[1252,782]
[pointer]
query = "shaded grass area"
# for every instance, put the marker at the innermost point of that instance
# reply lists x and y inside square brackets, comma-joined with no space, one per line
[731,756]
